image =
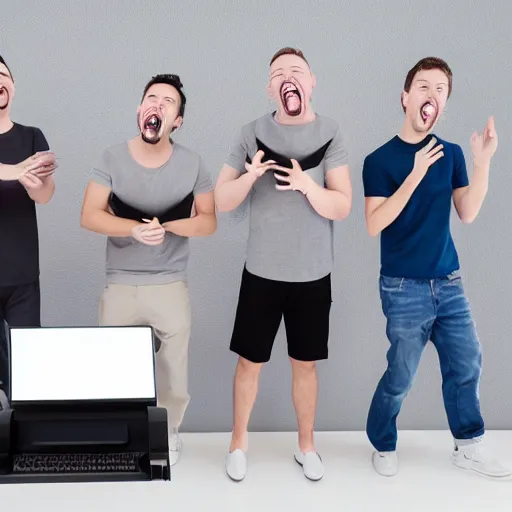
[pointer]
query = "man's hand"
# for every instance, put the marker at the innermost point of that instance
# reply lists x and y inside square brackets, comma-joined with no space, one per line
[296,178]
[41,164]
[484,145]
[256,168]
[426,157]
[31,181]
[151,233]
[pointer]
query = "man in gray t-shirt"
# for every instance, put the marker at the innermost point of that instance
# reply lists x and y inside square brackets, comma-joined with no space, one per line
[291,167]
[149,195]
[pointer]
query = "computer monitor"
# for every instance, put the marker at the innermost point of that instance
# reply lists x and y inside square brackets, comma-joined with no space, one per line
[77,364]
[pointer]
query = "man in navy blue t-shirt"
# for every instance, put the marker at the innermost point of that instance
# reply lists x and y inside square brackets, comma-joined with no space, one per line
[410,183]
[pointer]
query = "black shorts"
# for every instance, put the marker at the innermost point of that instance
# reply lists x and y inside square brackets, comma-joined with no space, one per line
[262,303]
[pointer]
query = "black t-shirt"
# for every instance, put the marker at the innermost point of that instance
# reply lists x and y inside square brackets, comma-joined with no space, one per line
[19,240]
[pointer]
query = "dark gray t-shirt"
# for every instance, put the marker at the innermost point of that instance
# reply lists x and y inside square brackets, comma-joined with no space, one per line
[288,240]
[154,190]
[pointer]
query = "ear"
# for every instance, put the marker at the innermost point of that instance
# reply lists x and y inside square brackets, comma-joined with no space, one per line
[313,77]
[177,123]
[269,91]
[405,97]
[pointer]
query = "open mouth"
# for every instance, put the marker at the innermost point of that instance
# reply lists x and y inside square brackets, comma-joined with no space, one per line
[291,98]
[428,111]
[4,97]
[153,123]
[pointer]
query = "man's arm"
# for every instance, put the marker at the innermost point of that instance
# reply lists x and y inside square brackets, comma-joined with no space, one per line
[232,188]
[40,190]
[382,204]
[10,172]
[380,212]
[203,223]
[468,198]
[96,216]
[333,201]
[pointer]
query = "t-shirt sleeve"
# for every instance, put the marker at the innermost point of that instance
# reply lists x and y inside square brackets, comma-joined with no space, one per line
[100,173]
[204,182]
[376,180]
[336,154]
[40,142]
[238,154]
[460,173]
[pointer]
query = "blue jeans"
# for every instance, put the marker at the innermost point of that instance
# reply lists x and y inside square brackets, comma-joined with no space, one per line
[418,311]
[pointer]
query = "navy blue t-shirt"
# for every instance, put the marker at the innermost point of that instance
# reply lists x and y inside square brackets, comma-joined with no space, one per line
[418,244]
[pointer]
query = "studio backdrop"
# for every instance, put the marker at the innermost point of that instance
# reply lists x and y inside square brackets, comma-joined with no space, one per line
[80,69]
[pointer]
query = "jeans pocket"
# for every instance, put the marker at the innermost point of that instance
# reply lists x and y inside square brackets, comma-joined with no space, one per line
[390,284]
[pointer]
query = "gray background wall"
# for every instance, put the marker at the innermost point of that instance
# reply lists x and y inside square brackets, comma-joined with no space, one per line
[80,68]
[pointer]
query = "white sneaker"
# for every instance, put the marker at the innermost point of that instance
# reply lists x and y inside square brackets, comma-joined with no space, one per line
[385,463]
[474,457]
[236,465]
[175,446]
[311,463]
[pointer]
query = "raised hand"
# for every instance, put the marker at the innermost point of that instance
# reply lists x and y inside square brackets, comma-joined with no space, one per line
[484,145]
[256,167]
[295,178]
[427,156]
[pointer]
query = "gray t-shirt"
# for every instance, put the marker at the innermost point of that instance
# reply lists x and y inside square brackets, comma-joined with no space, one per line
[288,240]
[150,190]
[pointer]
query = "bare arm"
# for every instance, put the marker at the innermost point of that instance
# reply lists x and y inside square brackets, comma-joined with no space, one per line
[469,200]
[382,211]
[334,201]
[96,216]
[203,223]
[44,192]
[10,172]
[232,188]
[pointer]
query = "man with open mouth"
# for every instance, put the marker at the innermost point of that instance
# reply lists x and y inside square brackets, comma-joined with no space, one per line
[26,179]
[149,195]
[291,165]
[410,183]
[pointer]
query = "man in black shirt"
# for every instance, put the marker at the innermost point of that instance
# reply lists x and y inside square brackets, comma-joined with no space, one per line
[26,178]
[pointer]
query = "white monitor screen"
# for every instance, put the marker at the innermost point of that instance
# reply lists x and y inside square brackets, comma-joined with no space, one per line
[86,363]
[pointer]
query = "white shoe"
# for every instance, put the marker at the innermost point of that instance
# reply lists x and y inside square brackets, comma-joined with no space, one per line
[474,457]
[236,465]
[312,465]
[385,463]
[175,446]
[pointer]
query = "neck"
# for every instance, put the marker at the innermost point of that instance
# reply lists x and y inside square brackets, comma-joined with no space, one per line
[410,135]
[162,147]
[283,118]
[5,122]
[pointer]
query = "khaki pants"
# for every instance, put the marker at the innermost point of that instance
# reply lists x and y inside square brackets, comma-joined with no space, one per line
[167,309]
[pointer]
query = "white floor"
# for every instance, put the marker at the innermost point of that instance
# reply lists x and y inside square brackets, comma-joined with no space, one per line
[426,482]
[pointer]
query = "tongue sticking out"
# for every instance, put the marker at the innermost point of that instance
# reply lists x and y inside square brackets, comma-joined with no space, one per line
[291,99]
[427,112]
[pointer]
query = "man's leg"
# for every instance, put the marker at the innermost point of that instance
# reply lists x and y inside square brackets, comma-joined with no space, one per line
[22,308]
[306,318]
[167,308]
[455,338]
[409,308]
[4,353]
[257,321]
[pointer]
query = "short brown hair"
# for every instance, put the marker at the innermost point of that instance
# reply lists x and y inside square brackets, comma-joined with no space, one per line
[425,64]
[288,51]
